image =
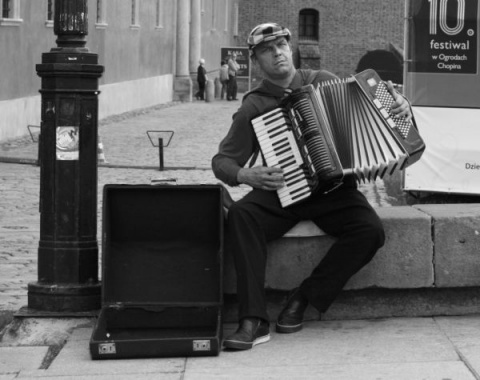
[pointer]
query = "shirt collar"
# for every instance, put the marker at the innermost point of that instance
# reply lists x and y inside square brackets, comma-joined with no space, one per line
[278,91]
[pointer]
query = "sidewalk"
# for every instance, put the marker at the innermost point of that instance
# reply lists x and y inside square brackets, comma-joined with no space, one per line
[397,348]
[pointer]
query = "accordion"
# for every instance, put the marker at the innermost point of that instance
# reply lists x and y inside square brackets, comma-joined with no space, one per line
[343,126]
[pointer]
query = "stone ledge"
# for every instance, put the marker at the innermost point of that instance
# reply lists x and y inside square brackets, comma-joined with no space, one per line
[456,235]
[378,303]
[426,246]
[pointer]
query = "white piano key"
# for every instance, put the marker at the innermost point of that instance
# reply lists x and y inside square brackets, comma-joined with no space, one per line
[293,174]
[272,137]
[272,129]
[291,189]
[268,115]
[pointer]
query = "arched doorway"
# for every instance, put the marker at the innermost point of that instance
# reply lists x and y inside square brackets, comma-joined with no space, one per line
[386,63]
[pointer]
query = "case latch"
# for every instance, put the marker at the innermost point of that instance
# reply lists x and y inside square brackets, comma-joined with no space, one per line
[201,345]
[107,348]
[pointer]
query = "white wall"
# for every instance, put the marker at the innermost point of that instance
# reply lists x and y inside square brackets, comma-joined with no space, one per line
[115,98]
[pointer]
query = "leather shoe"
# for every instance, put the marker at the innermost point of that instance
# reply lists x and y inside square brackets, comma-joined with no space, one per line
[290,319]
[250,332]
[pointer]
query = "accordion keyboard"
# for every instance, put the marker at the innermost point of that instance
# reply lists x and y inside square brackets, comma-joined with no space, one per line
[279,149]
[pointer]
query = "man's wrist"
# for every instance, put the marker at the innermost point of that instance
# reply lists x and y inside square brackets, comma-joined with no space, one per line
[240,176]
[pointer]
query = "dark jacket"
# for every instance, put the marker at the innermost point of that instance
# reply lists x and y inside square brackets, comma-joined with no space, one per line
[240,144]
[201,74]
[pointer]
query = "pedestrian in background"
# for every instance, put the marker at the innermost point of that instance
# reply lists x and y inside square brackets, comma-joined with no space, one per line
[233,67]
[201,79]
[224,79]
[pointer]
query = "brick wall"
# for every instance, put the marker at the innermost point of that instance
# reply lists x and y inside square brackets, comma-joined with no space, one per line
[347,28]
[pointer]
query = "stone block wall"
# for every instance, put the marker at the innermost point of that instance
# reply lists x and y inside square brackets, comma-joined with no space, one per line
[427,246]
[456,234]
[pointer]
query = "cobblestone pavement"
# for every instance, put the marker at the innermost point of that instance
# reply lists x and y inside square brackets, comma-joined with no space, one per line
[131,159]
[392,348]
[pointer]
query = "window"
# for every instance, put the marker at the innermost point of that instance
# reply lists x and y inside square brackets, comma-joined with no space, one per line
[101,21]
[227,16]
[10,15]
[214,15]
[159,15]
[50,8]
[235,19]
[308,25]
[134,18]
[6,11]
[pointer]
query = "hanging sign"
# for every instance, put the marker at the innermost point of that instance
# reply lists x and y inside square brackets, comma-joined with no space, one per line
[445,36]
[442,81]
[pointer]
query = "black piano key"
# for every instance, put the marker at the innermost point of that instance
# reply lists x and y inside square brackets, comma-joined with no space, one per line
[268,133]
[301,195]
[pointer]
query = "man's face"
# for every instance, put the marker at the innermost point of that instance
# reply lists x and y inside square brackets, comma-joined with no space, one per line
[275,58]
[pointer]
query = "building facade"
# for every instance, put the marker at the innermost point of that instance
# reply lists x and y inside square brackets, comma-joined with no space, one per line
[144,45]
[150,48]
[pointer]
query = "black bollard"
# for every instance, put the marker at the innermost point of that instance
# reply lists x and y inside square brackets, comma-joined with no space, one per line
[68,248]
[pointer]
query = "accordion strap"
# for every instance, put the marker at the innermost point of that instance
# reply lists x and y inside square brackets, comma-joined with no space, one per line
[254,158]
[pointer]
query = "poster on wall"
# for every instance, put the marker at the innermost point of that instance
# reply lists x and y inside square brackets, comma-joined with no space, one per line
[442,79]
[445,36]
[442,48]
[451,161]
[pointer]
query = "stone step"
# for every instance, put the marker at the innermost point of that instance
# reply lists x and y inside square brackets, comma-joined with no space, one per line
[433,250]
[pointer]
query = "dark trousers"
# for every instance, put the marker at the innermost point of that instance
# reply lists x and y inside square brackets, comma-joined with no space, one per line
[258,218]
[232,87]
[224,91]
[201,91]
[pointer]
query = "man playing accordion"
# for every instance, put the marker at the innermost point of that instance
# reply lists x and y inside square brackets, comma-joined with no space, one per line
[259,218]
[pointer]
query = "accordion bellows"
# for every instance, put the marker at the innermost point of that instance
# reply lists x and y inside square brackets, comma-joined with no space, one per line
[343,126]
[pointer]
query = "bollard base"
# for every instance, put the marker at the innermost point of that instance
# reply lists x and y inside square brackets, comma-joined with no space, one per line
[182,89]
[64,297]
[209,91]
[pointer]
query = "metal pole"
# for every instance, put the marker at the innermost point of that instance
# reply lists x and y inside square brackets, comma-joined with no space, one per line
[39,148]
[160,152]
[68,248]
